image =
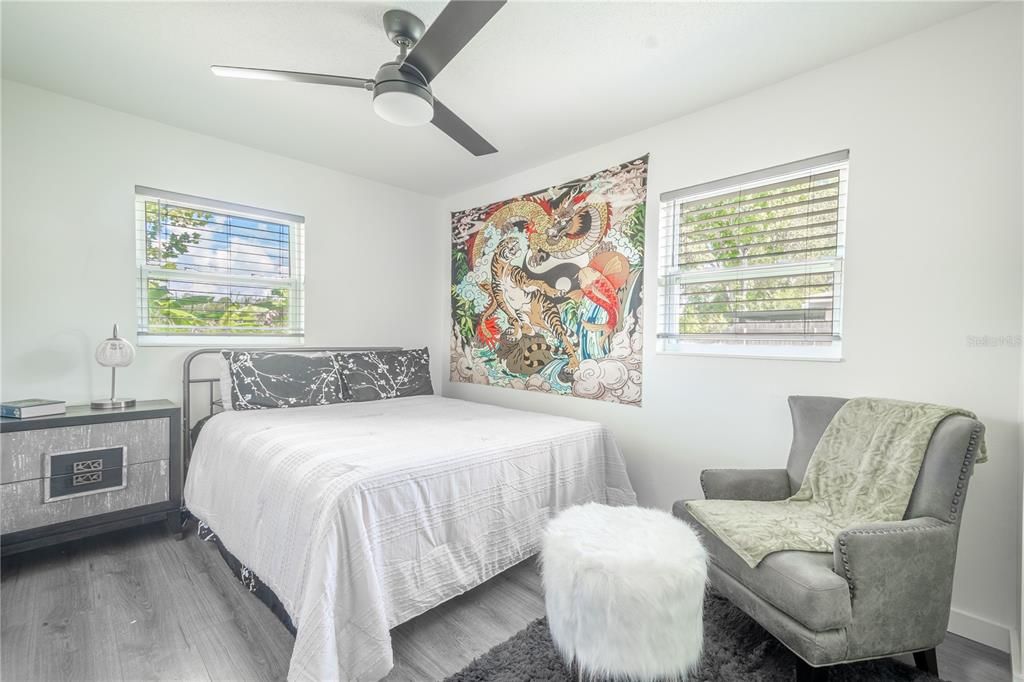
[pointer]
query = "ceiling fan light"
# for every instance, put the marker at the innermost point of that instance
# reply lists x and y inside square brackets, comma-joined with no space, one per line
[403,104]
[403,108]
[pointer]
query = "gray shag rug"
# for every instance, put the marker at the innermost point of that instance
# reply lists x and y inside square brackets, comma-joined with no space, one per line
[736,649]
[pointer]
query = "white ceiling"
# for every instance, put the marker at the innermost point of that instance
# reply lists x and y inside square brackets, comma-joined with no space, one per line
[540,81]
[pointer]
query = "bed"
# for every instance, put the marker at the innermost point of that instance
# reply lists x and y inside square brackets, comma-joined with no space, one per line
[356,517]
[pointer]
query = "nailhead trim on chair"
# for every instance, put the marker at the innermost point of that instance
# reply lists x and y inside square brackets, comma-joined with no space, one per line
[846,565]
[954,512]
[972,447]
[845,552]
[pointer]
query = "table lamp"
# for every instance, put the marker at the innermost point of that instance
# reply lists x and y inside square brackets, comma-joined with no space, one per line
[113,353]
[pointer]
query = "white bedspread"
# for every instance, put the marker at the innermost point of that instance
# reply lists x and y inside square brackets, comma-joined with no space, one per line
[360,516]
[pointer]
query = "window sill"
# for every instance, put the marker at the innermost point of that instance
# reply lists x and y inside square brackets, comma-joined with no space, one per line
[170,341]
[831,353]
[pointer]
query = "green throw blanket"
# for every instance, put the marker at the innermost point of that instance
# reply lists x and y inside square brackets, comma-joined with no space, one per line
[862,471]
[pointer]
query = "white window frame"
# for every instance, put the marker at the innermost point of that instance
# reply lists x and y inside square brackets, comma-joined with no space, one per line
[295,284]
[672,276]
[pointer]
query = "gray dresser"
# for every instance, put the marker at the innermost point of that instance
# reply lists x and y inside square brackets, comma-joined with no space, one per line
[88,471]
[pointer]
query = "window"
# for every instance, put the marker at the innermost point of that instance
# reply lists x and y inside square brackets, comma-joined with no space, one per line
[753,265]
[213,272]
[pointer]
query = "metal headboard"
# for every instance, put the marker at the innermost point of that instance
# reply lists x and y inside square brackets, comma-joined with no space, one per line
[187,381]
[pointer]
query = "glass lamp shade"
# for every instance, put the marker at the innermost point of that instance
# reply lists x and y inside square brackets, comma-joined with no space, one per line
[115,352]
[403,108]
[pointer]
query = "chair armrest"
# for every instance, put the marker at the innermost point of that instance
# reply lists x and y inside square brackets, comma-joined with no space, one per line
[745,484]
[901,581]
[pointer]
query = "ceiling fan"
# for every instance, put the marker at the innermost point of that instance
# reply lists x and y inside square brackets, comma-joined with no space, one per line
[401,89]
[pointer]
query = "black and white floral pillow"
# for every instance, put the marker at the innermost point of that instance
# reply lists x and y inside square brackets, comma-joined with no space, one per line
[378,375]
[261,381]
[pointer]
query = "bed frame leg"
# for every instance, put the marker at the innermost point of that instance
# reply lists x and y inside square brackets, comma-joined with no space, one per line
[176,524]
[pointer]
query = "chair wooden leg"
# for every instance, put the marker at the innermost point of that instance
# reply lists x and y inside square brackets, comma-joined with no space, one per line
[806,672]
[927,661]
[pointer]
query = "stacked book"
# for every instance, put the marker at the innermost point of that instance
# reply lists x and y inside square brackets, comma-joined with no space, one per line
[33,407]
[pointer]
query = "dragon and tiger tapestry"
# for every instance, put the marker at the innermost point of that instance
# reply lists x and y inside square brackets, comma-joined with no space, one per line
[547,288]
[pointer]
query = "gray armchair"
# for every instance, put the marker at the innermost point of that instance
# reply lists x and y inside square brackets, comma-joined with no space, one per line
[886,587]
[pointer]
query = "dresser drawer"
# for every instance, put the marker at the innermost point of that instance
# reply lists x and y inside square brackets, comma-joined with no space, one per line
[25,453]
[86,483]
[23,504]
[84,472]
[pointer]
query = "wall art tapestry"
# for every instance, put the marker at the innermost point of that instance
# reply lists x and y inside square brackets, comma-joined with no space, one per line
[547,288]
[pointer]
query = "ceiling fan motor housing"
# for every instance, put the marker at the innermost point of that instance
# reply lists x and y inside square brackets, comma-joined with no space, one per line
[393,85]
[396,77]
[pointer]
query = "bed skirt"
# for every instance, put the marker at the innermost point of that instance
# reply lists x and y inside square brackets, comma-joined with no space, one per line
[245,576]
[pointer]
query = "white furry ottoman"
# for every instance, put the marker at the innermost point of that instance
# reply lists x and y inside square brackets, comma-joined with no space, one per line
[624,591]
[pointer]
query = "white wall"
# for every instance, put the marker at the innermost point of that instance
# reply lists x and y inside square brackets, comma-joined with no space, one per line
[933,124]
[68,242]
[1017,636]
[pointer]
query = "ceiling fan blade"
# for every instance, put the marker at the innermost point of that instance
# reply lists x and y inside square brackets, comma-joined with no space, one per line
[291,76]
[457,129]
[454,27]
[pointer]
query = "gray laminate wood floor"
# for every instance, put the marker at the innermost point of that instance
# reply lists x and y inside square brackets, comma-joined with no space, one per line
[140,606]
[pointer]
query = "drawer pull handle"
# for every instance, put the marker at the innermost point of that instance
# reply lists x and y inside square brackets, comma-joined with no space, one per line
[72,473]
[87,465]
[85,479]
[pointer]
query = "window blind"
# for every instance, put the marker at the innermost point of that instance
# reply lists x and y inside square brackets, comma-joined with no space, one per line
[755,259]
[213,269]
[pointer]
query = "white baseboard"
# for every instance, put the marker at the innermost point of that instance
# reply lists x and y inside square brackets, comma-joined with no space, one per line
[980,629]
[1015,653]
